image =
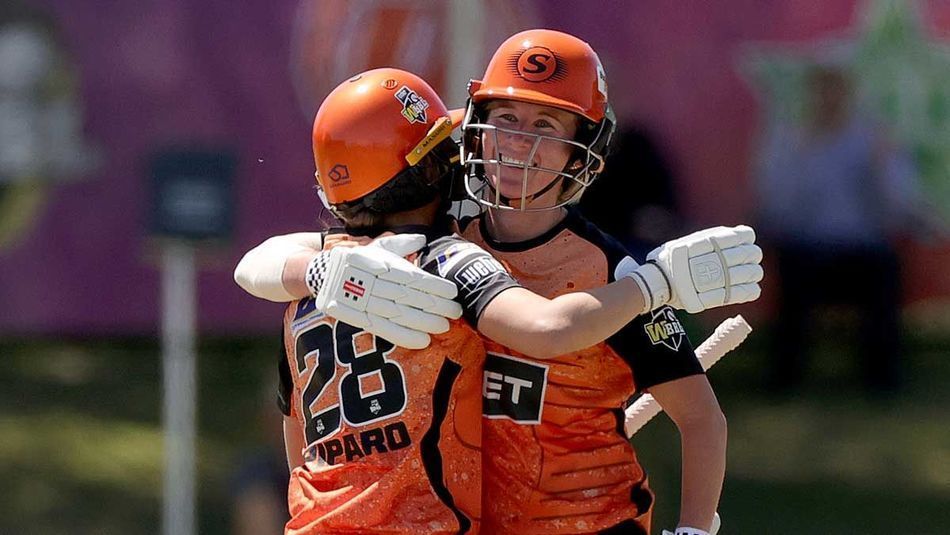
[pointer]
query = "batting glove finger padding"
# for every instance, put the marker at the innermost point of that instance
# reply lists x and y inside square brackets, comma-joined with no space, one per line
[419,299]
[713,267]
[407,316]
[401,245]
[380,326]
[374,288]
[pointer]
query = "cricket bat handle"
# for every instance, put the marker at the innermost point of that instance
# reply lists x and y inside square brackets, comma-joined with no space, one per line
[727,336]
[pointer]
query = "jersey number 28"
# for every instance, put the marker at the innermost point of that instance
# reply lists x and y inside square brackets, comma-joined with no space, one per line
[332,344]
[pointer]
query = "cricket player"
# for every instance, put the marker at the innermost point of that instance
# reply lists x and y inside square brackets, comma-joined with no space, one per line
[554,385]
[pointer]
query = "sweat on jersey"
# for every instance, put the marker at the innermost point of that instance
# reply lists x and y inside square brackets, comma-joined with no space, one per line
[556,458]
[393,435]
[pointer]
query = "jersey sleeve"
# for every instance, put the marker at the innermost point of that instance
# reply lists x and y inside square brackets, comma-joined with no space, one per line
[478,276]
[285,384]
[654,344]
[656,348]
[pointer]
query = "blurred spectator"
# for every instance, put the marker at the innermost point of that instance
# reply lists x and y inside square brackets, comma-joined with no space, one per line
[835,193]
[634,199]
[259,484]
[40,121]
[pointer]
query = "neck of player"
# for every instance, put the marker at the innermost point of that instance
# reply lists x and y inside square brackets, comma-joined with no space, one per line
[511,226]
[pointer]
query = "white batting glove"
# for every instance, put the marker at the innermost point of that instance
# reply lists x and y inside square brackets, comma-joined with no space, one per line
[711,268]
[373,287]
[686,531]
[716,524]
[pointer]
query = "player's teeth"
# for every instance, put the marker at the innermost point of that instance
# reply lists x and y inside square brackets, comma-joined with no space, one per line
[506,159]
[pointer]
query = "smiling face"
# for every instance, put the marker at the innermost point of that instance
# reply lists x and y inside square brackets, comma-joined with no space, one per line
[526,163]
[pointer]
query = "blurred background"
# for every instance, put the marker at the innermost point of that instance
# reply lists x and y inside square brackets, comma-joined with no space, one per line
[825,124]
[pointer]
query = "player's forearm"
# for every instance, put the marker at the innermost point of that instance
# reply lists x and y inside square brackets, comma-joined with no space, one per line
[276,269]
[590,317]
[567,323]
[294,276]
[704,465]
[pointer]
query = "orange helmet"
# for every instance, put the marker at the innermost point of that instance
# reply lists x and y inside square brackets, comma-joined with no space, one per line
[372,129]
[548,68]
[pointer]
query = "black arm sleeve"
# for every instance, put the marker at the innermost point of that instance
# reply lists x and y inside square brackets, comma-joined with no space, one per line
[478,276]
[654,344]
[656,348]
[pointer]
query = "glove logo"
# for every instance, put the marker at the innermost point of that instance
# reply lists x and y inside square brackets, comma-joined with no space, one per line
[353,289]
[665,328]
[707,274]
[413,106]
[513,388]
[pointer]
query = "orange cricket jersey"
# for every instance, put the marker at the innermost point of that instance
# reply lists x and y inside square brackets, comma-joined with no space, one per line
[555,456]
[393,435]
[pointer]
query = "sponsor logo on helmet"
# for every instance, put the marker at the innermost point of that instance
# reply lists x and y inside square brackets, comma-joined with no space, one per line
[339,175]
[390,84]
[413,106]
[601,79]
[538,64]
[665,328]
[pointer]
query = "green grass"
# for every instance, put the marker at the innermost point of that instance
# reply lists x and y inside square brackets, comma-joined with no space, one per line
[81,446]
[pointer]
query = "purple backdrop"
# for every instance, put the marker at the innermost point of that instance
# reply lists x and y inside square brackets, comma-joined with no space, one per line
[219,73]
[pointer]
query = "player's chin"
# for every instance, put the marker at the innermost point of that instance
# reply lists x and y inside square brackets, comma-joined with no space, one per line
[513,187]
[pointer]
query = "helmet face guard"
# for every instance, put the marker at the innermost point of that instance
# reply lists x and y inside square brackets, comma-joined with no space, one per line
[545,68]
[584,164]
[581,169]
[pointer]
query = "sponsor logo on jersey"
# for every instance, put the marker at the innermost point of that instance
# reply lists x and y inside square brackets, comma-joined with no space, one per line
[477,272]
[665,328]
[413,106]
[513,388]
[306,316]
[451,256]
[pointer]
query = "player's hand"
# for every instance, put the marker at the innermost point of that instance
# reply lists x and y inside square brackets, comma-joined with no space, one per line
[373,287]
[711,268]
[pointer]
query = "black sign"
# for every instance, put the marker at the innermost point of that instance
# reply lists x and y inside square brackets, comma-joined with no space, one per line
[192,194]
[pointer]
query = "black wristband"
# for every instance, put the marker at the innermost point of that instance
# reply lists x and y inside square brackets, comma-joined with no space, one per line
[317,272]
